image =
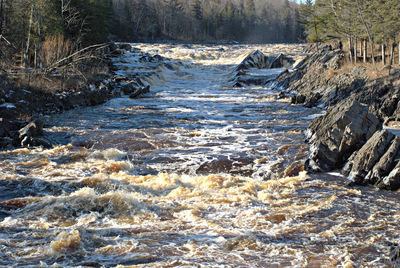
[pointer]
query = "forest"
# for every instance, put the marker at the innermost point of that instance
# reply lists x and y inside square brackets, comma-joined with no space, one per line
[367,27]
[38,33]
[266,21]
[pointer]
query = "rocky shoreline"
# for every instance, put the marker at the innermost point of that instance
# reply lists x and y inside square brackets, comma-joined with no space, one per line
[352,137]
[22,108]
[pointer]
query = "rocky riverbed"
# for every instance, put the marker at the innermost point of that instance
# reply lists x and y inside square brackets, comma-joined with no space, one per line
[202,170]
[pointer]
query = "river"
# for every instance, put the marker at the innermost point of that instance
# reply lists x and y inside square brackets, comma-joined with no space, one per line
[195,173]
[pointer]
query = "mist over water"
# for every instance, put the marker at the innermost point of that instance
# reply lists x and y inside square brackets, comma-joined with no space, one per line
[196,173]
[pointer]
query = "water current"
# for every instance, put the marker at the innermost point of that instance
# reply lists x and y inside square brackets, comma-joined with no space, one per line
[195,173]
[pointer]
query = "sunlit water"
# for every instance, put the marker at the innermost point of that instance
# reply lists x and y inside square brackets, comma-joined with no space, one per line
[196,173]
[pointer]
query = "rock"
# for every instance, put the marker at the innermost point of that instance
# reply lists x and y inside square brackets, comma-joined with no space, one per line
[281,95]
[28,133]
[298,99]
[33,129]
[41,141]
[139,92]
[392,181]
[120,79]
[98,96]
[313,100]
[258,60]
[130,88]
[4,128]
[336,135]
[281,61]
[8,110]
[126,47]
[375,158]
[255,59]
[394,71]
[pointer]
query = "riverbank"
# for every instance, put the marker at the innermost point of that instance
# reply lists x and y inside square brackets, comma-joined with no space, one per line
[357,134]
[27,95]
[195,167]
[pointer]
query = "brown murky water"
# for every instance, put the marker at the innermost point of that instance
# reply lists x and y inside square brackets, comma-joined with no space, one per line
[195,174]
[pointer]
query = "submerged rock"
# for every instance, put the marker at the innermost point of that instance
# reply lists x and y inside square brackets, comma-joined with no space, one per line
[336,135]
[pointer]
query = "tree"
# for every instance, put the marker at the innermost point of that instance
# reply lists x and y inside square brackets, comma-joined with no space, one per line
[312,21]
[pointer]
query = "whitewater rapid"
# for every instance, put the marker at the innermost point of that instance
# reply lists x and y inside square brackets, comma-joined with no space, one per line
[194,173]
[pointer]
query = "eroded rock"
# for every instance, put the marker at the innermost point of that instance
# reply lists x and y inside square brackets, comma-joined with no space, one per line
[336,135]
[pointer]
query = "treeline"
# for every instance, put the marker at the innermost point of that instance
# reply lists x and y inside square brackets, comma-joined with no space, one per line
[207,20]
[363,24]
[40,32]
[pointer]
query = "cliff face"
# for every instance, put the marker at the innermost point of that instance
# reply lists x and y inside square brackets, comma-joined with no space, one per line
[349,136]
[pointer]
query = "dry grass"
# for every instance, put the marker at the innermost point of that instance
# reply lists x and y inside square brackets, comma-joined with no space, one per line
[373,72]
[55,48]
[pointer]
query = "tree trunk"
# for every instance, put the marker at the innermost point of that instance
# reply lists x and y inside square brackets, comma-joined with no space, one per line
[1,17]
[365,51]
[350,50]
[399,52]
[355,51]
[316,35]
[368,30]
[383,55]
[28,41]
[392,54]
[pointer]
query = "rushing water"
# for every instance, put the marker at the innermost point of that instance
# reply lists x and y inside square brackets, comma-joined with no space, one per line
[196,173]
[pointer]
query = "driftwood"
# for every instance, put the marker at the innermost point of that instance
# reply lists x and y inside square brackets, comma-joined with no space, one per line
[78,56]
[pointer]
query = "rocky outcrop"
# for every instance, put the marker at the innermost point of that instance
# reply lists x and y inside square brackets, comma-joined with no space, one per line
[244,74]
[349,136]
[336,135]
[255,59]
[377,162]
[319,80]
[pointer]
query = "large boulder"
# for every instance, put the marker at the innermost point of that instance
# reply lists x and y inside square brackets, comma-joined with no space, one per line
[251,71]
[29,134]
[281,61]
[377,162]
[335,136]
[255,59]
[366,159]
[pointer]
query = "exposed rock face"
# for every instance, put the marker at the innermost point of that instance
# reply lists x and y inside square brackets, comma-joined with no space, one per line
[257,60]
[336,135]
[377,162]
[281,61]
[350,132]
[318,79]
